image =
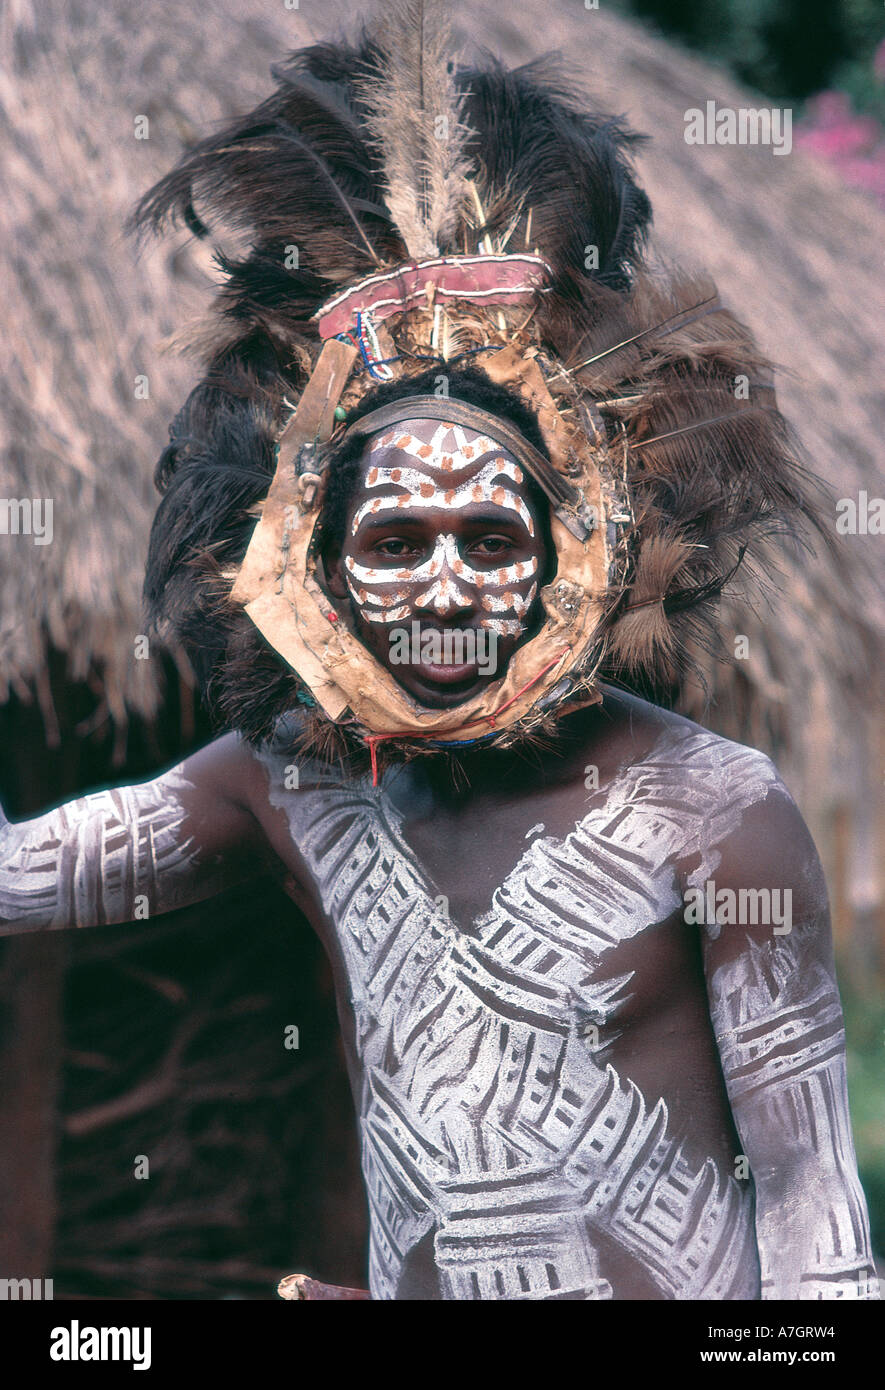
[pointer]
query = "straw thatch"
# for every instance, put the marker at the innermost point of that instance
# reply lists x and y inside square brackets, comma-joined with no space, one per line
[792,251]
[214,1097]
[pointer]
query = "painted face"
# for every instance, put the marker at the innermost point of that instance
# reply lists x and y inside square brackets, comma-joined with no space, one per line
[443,545]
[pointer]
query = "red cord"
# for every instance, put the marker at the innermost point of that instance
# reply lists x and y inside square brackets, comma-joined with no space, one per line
[372,741]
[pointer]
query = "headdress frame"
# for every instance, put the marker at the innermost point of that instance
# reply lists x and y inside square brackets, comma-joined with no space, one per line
[279,583]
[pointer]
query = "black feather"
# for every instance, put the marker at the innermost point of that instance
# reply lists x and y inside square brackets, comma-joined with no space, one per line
[299,169]
[539,150]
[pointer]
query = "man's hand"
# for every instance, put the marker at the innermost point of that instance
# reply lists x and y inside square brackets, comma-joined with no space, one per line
[778,1023]
[131,853]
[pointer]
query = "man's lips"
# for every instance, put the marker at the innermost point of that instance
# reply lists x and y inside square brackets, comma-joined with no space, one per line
[447,672]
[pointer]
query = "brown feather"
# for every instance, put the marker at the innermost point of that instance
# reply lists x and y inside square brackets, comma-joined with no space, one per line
[414,118]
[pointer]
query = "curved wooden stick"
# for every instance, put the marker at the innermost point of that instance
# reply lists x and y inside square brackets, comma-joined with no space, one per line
[300,1286]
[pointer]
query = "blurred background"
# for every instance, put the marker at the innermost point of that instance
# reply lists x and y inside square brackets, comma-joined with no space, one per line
[165,1040]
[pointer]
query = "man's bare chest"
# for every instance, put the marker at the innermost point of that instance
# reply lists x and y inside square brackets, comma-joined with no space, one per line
[570,916]
[515,991]
[559,910]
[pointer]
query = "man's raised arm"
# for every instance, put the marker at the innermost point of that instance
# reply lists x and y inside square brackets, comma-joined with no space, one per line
[133,852]
[777,1017]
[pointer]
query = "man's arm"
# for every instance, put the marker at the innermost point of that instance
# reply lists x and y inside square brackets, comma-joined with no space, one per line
[133,852]
[777,1017]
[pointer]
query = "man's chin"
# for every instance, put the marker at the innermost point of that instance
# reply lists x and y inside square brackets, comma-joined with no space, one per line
[443,687]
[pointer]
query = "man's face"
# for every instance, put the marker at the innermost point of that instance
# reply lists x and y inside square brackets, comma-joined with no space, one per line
[442,558]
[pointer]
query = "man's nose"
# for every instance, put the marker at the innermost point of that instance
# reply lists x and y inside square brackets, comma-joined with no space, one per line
[448,593]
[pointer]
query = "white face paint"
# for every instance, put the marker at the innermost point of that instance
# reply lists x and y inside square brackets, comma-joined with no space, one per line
[493,1137]
[452,472]
[447,452]
[503,588]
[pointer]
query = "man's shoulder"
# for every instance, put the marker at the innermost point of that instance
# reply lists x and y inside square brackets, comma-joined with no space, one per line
[725,797]
[296,755]
[649,736]
[718,808]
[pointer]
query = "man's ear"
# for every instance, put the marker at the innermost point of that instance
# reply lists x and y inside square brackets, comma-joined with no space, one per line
[333,567]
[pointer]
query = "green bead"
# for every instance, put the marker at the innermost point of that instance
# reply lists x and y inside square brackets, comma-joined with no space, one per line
[340,412]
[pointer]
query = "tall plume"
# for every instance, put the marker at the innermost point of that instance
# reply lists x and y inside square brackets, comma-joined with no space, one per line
[415,121]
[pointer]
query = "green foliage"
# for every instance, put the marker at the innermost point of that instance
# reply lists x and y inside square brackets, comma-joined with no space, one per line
[865,1031]
[786,49]
[864,22]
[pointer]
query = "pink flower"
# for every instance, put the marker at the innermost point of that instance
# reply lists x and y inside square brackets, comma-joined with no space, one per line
[853,144]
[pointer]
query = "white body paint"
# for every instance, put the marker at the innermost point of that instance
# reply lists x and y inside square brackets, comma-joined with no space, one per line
[481,487]
[498,1137]
[779,1021]
[99,858]
[491,1131]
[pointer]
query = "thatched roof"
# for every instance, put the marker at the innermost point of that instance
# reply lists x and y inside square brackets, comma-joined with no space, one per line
[793,252]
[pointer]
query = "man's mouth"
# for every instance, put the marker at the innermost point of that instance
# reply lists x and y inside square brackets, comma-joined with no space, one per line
[442,665]
[447,672]
[448,656]
[438,691]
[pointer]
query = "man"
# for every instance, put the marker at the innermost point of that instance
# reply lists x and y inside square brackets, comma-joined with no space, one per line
[536,1039]
[580,945]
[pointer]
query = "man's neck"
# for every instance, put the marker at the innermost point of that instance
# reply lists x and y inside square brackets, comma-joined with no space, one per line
[549,757]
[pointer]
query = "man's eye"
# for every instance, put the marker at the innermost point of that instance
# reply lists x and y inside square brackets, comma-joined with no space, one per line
[394,550]
[491,545]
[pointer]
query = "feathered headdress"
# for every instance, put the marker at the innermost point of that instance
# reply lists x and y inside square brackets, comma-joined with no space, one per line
[403,211]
